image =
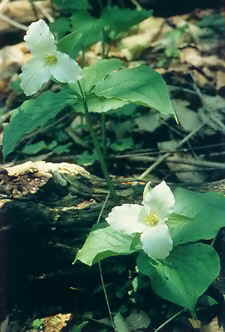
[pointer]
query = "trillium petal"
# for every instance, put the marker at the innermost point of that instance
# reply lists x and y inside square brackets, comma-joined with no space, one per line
[125,218]
[160,199]
[66,70]
[157,242]
[39,39]
[34,75]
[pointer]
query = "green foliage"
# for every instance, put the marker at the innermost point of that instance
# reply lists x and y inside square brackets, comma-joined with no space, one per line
[87,29]
[197,216]
[184,275]
[60,26]
[32,115]
[140,85]
[116,20]
[100,105]
[120,323]
[108,88]
[98,72]
[123,144]
[189,270]
[35,148]
[103,243]
[37,323]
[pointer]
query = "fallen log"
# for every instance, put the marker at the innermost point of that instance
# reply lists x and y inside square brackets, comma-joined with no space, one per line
[46,212]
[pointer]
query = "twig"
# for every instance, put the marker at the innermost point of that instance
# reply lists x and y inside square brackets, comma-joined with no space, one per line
[45,12]
[200,163]
[12,22]
[136,4]
[166,155]
[169,320]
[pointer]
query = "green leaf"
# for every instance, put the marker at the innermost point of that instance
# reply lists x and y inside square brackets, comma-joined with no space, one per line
[184,275]
[140,85]
[61,26]
[123,144]
[98,71]
[117,20]
[120,323]
[32,115]
[103,243]
[87,31]
[99,104]
[34,148]
[197,216]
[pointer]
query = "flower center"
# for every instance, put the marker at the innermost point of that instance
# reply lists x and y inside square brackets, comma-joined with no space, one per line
[51,60]
[151,219]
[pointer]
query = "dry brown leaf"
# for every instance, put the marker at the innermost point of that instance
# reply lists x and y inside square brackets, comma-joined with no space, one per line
[212,327]
[56,323]
[191,56]
[11,58]
[22,12]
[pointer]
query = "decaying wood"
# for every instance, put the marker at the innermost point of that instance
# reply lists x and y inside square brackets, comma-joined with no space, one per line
[46,212]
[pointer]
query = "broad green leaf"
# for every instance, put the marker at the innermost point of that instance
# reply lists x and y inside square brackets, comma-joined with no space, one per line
[103,243]
[184,275]
[197,216]
[100,105]
[32,115]
[87,31]
[60,26]
[91,76]
[140,85]
[98,71]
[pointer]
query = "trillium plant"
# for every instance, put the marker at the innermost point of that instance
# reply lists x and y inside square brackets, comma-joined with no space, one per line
[164,231]
[164,235]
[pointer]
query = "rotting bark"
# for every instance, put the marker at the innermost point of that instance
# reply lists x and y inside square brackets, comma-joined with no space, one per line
[46,212]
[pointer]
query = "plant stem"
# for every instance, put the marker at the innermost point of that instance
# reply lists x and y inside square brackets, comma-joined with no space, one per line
[103,134]
[96,142]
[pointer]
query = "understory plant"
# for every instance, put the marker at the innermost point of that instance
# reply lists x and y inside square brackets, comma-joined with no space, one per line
[169,234]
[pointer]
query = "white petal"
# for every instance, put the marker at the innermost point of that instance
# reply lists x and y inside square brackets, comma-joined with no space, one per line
[39,39]
[124,218]
[34,75]
[157,242]
[66,70]
[159,200]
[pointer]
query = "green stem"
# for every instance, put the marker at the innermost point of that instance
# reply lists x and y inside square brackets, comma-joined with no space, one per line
[103,134]
[96,142]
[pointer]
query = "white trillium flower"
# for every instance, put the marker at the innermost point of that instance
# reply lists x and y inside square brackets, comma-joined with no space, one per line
[148,219]
[46,62]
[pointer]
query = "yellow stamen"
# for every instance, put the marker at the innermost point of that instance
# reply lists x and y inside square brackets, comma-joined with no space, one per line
[51,59]
[151,219]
